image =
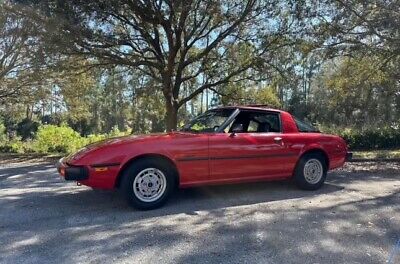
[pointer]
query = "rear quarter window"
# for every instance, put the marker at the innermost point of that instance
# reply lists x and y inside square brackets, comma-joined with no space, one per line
[303,126]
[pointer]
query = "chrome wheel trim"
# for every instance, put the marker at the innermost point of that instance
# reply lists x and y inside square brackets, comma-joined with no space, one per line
[313,171]
[149,185]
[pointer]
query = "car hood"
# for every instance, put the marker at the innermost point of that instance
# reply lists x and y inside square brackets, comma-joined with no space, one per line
[114,142]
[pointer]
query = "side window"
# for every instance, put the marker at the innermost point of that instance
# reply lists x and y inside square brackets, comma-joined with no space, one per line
[304,127]
[267,122]
[257,122]
[253,126]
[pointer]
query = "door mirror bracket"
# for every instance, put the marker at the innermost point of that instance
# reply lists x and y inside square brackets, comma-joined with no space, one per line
[237,128]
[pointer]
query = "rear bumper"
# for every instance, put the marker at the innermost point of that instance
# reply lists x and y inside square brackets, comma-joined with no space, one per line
[72,173]
[349,156]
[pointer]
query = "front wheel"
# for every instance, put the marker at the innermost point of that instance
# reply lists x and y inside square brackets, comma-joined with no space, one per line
[147,184]
[310,172]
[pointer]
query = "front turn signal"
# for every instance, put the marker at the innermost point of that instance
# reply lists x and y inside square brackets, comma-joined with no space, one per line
[98,169]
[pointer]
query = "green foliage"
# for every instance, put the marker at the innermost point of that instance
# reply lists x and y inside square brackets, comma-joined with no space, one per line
[357,93]
[267,95]
[62,139]
[198,127]
[16,145]
[379,138]
[54,139]
[149,112]
[3,135]
[115,132]
[94,138]
[27,128]
[241,95]
[21,60]
[328,66]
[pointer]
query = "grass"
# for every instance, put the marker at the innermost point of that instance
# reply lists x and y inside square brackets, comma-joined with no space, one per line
[377,154]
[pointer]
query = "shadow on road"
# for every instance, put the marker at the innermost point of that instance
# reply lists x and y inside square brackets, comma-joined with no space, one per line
[35,181]
[45,218]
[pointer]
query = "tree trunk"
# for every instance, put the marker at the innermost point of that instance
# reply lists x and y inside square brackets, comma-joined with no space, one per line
[171,103]
[31,113]
[27,111]
[171,116]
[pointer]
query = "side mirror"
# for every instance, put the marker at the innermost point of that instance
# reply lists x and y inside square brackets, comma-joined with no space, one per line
[237,128]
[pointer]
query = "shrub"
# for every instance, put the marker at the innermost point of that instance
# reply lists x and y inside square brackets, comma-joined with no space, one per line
[115,132]
[379,138]
[60,139]
[27,128]
[16,145]
[52,139]
[94,138]
[3,134]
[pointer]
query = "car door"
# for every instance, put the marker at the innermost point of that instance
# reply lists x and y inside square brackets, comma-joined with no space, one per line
[192,158]
[256,152]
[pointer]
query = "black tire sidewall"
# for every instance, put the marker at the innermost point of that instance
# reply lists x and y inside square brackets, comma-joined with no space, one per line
[299,178]
[132,172]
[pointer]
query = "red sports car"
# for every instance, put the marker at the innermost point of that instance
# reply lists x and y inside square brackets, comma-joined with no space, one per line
[223,145]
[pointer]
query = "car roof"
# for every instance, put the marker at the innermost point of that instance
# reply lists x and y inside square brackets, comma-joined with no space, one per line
[250,107]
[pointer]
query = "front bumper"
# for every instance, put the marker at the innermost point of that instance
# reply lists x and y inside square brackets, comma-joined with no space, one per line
[72,173]
[349,156]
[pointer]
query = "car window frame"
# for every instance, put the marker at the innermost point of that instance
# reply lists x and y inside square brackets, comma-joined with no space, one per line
[238,111]
[228,121]
[219,128]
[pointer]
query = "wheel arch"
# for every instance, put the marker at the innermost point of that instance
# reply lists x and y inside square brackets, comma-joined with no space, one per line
[155,156]
[318,151]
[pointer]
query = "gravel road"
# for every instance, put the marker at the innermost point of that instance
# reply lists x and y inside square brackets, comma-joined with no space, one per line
[354,218]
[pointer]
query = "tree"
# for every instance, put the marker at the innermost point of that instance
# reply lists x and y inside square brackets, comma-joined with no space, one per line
[370,27]
[173,42]
[94,100]
[352,92]
[20,54]
[77,89]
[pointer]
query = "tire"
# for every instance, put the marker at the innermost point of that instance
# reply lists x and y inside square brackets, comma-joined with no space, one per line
[147,184]
[310,172]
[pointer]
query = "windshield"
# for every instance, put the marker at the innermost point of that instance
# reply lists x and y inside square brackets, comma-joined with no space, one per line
[302,126]
[208,122]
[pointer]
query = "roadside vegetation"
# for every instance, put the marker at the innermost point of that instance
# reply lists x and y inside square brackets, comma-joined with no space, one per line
[75,72]
[51,139]
[377,154]
[369,139]
[48,139]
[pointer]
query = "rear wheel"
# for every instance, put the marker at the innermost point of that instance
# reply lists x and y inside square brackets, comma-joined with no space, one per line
[310,172]
[147,184]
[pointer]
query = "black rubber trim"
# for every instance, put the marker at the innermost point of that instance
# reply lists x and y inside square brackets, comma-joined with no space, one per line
[238,157]
[105,165]
[76,173]
[226,123]
[193,158]
[254,156]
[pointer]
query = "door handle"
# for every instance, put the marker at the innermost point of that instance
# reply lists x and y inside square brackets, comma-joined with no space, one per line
[278,140]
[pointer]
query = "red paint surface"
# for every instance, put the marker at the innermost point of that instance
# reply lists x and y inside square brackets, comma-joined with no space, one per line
[212,158]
